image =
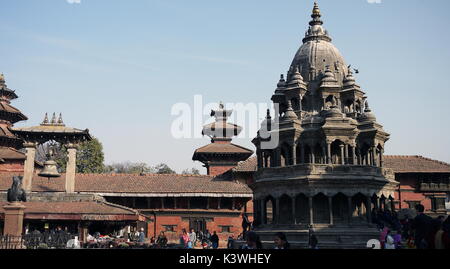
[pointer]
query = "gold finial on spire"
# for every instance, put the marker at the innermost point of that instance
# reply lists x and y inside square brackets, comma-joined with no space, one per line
[316,10]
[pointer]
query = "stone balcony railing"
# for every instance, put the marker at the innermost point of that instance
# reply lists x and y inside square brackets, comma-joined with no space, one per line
[322,169]
[439,187]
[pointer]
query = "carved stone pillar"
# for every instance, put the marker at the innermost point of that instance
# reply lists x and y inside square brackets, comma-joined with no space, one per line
[262,206]
[381,158]
[293,211]
[373,155]
[330,206]
[294,154]
[302,153]
[369,209]
[29,166]
[313,157]
[71,168]
[311,212]
[328,153]
[276,214]
[342,154]
[355,159]
[347,161]
[259,158]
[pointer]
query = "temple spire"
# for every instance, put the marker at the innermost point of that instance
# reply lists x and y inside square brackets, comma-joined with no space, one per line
[316,15]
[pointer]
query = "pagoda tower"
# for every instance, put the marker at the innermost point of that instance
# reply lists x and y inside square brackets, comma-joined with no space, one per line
[221,155]
[324,169]
[11,159]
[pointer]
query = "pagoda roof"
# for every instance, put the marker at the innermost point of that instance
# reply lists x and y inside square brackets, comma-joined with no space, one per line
[227,148]
[54,129]
[415,164]
[10,113]
[11,154]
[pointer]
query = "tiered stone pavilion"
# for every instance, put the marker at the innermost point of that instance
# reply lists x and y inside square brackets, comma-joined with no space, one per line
[326,171]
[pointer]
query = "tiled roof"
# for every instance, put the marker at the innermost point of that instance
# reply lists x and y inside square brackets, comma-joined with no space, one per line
[247,166]
[223,148]
[10,153]
[135,184]
[415,164]
[92,207]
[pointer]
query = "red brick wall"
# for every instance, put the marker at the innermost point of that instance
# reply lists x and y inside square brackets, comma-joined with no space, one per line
[12,166]
[218,170]
[173,237]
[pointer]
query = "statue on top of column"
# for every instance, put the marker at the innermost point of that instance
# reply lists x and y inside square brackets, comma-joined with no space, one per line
[16,193]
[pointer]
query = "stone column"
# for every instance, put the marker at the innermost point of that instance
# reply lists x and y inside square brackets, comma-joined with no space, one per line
[302,153]
[294,154]
[369,209]
[342,154]
[175,202]
[329,153]
[71,168]
[29,166]
[260,158]
[233,203]
[330,206]
[373,151]
[276,214]
[13,223]
[381,158]
[293,210]
[313,157]
[311,212]
[277,157]
[263,211]
[355,159]
[347,161]
[207,203]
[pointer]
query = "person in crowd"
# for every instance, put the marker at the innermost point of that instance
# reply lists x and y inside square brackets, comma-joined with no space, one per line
[281,241]
[446,234]
[230,242]
[215,240]
[162,240]
[383,235]
[433,230]
[193,238]
[420,225]
[398,240]
[141,236]
[186,240]
[245,224]
[389,241]
[252,241]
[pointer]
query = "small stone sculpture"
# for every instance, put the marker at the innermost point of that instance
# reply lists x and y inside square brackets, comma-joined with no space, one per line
[16,193]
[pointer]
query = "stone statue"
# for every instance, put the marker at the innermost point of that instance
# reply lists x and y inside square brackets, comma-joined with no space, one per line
[16,193]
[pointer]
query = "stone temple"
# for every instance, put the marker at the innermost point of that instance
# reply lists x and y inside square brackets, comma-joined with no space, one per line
[325,169]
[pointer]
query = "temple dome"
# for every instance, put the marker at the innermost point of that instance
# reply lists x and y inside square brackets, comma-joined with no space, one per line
[317,52]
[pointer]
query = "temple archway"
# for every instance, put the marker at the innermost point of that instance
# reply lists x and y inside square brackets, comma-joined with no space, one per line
[321,211]
[270,209]
[301,209]
[286,216]
[359,208]
[340,209]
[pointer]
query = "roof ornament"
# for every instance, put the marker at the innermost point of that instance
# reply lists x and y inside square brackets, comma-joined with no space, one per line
[45,122]
[290,114]
[2,78]
[281,82]
[54,121]
[316,31]
[367,108]
[60,120]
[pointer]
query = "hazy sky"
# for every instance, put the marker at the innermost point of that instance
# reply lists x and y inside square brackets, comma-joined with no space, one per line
[117,67]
